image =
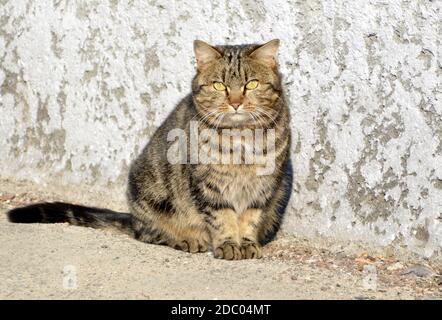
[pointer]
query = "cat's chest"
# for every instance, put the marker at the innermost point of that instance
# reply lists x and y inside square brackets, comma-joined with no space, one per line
[243,189]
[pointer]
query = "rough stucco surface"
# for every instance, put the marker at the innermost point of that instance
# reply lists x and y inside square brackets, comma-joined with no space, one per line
[85,83]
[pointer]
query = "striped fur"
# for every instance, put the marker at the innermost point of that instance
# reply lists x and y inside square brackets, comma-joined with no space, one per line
[58,212]
[192,207]
[226,206]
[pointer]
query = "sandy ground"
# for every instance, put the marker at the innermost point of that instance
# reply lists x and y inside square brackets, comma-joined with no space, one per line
[60,261]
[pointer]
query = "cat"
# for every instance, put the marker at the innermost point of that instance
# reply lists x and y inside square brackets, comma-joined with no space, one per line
[190,206]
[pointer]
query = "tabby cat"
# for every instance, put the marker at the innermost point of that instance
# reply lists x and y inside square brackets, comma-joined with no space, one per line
[190,206]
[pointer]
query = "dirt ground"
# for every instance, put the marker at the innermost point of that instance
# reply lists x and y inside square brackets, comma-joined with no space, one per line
[60,261]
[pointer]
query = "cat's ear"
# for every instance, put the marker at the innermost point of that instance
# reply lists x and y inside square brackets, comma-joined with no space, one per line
[204,53]
[266,53]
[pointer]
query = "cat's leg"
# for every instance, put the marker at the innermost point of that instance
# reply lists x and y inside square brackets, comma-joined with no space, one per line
[248,225]
[184,237]
[182,232]
[191,240]
[224,231]
[187,239]
[275,209]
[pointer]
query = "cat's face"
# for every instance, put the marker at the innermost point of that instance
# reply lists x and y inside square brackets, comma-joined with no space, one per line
[237,85]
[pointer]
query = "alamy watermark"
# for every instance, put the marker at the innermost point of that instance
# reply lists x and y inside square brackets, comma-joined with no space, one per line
[370,277]
[70,277]
[233,146]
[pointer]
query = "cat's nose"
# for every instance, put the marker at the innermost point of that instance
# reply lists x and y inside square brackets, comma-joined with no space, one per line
[235,105]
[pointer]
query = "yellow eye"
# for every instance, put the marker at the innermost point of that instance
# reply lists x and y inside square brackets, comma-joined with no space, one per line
[219,86]
[252,84]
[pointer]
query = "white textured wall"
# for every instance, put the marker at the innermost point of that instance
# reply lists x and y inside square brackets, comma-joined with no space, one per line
[85,83]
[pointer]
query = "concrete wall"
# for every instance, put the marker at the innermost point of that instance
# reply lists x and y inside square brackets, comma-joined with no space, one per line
[85,83]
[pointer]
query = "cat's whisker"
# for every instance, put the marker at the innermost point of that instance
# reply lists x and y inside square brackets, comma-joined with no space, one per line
[255,119]
[259,120]
[265,113]
[220,120]
[206,115]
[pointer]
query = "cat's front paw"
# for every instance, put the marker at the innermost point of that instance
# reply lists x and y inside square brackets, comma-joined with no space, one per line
[250,250]
[228,250]
[192,246]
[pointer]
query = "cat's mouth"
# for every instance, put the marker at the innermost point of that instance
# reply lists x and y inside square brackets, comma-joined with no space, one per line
[236,115]
[235,119]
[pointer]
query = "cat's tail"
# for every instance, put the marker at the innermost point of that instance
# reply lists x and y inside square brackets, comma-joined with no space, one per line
[57,212]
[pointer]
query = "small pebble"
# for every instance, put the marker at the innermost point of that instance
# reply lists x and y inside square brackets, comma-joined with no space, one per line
[395,266]
[341,255]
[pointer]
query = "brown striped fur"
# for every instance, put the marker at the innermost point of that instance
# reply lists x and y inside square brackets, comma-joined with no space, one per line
[193,207]
[226,206]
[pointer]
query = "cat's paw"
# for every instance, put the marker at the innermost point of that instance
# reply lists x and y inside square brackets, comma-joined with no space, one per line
[228,250]
[250,250]
[192,246]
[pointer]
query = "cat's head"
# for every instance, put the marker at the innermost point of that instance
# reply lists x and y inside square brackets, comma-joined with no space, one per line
[237,85]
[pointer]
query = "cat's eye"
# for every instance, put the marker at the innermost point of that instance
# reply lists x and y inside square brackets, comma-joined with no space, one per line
[252,84]
[219,86]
